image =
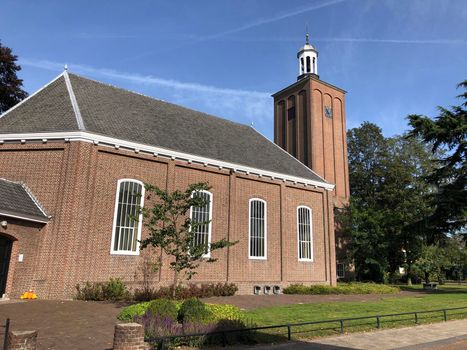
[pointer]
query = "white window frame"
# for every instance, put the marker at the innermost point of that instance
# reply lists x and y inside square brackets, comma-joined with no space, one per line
[211,201]
[343,270]
[265,257]
[140,220]
[311,234]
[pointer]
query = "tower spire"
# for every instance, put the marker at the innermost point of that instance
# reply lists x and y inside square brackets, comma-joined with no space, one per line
[307,59]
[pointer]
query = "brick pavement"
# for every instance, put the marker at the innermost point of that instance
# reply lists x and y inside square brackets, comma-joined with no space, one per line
[451,335]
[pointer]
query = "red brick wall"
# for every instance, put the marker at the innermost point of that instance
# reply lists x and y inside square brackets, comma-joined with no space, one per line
[76,182]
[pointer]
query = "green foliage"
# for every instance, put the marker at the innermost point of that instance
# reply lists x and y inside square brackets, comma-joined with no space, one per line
[114,289]
[347,288]
[194,309]
[388,198]
[163,308]
[172,229]
[225,311]
[218,311]
[204,290]
[448,133]
[90,291]
[11,91]
[128,313]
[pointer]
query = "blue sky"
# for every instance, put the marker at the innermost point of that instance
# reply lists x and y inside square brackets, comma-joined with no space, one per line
[394,57]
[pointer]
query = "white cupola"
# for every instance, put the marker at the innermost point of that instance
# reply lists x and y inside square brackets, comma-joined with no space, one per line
[307,60]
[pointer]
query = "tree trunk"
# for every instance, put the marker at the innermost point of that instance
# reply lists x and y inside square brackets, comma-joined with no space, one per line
[175,283]
[427,277]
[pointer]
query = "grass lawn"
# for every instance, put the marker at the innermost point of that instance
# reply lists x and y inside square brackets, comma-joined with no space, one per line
[448,296]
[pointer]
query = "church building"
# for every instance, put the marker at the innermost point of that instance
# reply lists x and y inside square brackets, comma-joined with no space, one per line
[73,153]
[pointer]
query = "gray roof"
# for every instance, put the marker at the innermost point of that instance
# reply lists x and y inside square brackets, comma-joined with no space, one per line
[16,200]
[125,115]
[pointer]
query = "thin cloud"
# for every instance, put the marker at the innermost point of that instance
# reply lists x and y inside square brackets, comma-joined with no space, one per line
[243,106]
[141,79]
[276,18]
[357,40]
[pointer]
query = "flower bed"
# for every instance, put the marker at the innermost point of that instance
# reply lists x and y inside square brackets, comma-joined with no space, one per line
[164,317]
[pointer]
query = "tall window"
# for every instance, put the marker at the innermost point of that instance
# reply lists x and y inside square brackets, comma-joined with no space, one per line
[308,69]
[202,233]
[340,270]
[305,235]
[127,230]
[258,229]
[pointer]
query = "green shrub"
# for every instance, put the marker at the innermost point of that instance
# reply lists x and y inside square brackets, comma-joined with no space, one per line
[128,313]
[90,291]
[345,288]
[115,289]
[185,292]
[164,308]
[219,312]
[225,311]
[193,310]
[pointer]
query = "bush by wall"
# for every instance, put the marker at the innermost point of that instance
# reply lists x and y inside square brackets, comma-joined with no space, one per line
[114,289]
[186,292]
[345,288]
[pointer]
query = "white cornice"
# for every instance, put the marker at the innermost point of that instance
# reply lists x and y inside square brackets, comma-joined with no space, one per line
[158,151]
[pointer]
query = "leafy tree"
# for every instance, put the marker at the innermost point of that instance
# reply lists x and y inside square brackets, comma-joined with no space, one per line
[172,229]
[447,132]
[432,262]
[11,91]
[387,199]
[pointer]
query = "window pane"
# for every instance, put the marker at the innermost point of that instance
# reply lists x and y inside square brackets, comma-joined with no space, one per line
[126,227]
[305,244]
[257,228]
[202,215]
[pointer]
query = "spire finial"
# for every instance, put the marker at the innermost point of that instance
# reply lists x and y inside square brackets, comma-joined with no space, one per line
[307,36]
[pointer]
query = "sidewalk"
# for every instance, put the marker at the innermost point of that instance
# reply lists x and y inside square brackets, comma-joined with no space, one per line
[400,337]
[451,335]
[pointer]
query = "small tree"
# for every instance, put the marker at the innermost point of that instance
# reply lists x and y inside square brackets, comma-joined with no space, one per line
[173,230]
[11,91]
[432,262]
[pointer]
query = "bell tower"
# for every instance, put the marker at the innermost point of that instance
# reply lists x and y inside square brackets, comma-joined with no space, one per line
[309,123]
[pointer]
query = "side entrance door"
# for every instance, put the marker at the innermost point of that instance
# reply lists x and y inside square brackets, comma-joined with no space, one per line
[5,252]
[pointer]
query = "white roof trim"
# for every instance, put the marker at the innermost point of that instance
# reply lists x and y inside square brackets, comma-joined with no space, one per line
[30,96]
[23,217]
[74,103]
[112,142]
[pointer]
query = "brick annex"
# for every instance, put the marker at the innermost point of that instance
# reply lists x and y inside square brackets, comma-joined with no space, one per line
[73,154]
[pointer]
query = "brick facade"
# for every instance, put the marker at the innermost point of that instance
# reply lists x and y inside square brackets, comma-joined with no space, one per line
[76,182]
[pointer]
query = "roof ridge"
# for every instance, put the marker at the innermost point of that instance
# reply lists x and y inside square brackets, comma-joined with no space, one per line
[31,96]
[157,99]
[295,159]
[34,199]
[74,102]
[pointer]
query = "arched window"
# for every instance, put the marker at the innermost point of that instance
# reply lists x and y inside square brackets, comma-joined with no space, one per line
[127,230]
[314,66]
[202,215]
[257,237]
[308,68]
[302,66]
[305,234]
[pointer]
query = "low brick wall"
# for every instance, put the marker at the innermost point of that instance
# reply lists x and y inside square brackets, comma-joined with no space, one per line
[129,336]
[22,340]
